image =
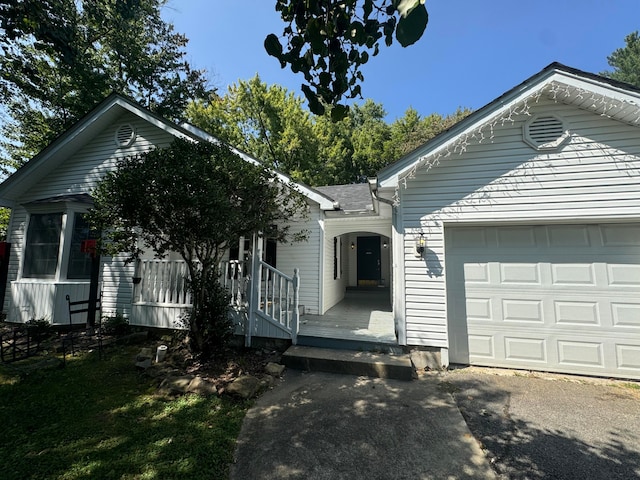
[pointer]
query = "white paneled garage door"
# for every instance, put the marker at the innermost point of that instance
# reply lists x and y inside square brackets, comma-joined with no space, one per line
[560,298]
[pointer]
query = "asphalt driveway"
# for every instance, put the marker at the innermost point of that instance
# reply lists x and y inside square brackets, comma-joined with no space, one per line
[543,426]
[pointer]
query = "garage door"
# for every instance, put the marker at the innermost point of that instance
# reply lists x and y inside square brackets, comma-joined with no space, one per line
[560,298]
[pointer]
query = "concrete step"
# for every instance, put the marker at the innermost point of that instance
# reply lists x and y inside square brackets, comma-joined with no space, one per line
[382,365]
[346,344]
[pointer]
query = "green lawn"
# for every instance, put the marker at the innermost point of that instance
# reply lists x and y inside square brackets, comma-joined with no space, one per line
[100,419]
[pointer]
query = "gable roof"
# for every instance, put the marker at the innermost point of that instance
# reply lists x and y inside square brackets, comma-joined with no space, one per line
[353,197]
[588,91]
[94,122]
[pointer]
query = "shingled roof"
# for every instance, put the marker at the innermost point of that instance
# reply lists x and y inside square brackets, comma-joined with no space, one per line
[353,198]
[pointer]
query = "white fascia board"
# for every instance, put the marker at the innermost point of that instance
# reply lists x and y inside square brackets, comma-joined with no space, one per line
[598,87]
[388,178]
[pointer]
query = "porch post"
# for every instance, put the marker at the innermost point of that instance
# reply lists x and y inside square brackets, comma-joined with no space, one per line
[296,306]
[254,297]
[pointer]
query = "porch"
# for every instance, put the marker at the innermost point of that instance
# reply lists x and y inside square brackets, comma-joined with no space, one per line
[363,315]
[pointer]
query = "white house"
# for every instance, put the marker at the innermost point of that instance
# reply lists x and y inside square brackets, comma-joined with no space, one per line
[512,239]
[49,194]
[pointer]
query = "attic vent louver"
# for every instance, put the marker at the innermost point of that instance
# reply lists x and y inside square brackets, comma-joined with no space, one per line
[545,132]
[125,135]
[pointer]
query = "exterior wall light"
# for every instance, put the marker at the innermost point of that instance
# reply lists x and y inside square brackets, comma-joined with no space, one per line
[421,244]
[385,244]
[353,246]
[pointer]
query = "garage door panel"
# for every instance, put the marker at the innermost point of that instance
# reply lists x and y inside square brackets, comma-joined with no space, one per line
[558,298]
[530,350]
[574,313]
[479,309]
[528,273]
[628,358]
[624,275]
[482,346]
[476,272]
[626,314]
[580,353]
[516,237]
[572,236]
[573,274]
[620,235]
[518,310]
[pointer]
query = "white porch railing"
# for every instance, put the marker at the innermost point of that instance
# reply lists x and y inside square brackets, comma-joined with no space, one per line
[161,294]
[164,282]
[275,300]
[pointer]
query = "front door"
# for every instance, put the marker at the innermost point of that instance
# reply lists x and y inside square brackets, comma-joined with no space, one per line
[368,261]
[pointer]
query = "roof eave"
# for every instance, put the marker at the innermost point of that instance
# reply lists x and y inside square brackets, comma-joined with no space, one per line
[389,176]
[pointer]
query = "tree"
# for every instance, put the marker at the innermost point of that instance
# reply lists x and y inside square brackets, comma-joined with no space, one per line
[273,125]
[328,41]
[268,122]
[195,199]
[59,58]
[412,130]
[626,61]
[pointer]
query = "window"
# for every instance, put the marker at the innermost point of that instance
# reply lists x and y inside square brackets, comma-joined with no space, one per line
[42,246]
[79,266]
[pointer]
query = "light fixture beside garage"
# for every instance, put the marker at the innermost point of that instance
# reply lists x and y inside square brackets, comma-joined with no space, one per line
[421,244]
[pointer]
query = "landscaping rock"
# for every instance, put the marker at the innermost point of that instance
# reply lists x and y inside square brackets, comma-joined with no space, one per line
[144,364]
[201,386]
[274,369]
[162,371]
[144,354]
[267,382]
[246,386]
[177,385]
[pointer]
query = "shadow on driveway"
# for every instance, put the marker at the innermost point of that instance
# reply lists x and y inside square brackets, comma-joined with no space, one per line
[553,427]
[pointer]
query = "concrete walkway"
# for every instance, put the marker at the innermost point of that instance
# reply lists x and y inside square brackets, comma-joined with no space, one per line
[328,426]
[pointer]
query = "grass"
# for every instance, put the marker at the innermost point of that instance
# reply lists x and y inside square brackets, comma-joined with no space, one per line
[100,419]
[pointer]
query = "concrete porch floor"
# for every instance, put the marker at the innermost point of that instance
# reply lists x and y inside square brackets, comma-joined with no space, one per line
[364,314]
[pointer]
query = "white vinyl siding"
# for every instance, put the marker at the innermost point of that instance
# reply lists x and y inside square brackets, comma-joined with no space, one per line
[80,174]
[594,177]
[305,256]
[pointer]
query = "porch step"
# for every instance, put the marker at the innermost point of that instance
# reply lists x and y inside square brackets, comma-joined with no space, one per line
[349,362]
[349,344]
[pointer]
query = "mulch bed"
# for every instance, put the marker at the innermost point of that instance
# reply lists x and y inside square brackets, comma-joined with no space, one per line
[221,369]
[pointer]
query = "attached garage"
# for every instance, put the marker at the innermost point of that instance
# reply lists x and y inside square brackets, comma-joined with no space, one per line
[556,297]
[517,231]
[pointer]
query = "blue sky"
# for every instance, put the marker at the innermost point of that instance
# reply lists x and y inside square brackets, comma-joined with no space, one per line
[472,50]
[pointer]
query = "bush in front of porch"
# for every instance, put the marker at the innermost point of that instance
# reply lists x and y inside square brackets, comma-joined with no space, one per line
[195,199]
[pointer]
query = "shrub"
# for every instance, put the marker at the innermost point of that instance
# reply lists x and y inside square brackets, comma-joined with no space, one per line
[210,326]
[40,328]
[116,324]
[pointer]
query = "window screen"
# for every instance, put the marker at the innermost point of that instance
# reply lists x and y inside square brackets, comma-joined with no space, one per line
[43,244]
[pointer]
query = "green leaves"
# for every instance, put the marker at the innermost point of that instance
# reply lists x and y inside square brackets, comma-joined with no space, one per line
[626,61]
[412,23]
[272,45]
[328,42]
[59,58]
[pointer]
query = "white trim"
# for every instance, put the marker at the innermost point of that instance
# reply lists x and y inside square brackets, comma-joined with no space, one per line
[389,177]
[398,263]
[321,268]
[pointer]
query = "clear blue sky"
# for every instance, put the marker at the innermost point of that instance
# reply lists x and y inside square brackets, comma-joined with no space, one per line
[472,50]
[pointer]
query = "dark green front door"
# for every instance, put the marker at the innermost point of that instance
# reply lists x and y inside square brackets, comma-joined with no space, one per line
[368,261]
